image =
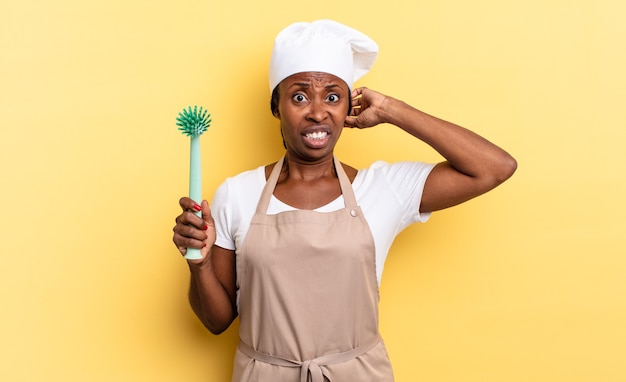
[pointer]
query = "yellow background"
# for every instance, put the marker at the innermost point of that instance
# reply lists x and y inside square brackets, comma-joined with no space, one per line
[526,283]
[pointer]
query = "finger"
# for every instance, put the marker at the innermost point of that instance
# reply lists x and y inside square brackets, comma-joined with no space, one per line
[184,234]
[355,111]
[350,122]
[192,232]
[182,243]
[357,92]
[190,218]
[189,205]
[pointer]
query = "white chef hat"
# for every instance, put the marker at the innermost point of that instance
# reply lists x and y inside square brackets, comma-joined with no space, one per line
[321,46]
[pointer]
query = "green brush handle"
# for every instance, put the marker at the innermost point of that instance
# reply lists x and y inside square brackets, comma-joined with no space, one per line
[195,186]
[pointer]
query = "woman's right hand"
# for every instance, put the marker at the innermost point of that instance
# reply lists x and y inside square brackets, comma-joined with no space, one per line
[212,290]
[192,231]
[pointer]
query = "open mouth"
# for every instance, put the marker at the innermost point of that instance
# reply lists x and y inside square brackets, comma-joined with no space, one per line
[316,138]
[317,135]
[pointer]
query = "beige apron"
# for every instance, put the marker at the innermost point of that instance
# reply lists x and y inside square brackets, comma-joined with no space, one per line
[308,295]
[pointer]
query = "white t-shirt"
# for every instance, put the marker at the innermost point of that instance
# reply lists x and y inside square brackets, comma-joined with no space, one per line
[389,196]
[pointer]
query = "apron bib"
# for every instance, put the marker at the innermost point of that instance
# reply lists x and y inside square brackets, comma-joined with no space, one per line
[308,295]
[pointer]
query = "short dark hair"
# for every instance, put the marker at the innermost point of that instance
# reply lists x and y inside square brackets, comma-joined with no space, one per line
[274,102]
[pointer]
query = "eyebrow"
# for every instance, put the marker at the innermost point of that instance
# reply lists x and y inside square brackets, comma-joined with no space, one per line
[300,84]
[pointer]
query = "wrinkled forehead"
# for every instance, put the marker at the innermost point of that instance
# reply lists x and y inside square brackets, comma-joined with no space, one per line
[314,79]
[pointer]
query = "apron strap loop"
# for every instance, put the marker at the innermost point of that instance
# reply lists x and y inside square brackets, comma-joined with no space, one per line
[313,366]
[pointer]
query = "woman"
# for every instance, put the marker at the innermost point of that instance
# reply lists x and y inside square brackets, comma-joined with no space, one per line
[296,248]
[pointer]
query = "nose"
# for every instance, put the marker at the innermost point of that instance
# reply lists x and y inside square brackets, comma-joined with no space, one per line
[317,111]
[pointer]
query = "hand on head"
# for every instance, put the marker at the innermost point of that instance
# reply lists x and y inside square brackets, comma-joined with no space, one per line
[367,109]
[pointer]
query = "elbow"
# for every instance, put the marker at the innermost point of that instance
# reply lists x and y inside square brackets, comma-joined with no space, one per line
[507,166]
[214,323]
[496,173]
[218,325]
[216,330]
[511,167]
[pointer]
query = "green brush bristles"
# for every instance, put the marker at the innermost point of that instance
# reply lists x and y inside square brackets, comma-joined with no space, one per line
[193,122]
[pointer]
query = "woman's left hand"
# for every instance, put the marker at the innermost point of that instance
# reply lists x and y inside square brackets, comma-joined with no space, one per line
[368,109]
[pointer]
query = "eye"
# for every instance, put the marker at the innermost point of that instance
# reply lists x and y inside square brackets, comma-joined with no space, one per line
[299,97]
[332,98]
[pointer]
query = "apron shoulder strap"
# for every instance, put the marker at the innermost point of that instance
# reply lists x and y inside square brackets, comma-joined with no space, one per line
[268,190]
[346,187]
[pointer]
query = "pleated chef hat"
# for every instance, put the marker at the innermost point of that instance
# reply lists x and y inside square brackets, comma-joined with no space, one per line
[321,46]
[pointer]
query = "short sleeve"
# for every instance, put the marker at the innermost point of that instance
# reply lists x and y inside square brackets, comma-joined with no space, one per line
[221,211]
[407,180]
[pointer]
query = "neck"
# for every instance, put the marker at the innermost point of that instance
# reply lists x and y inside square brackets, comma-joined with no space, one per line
[298,169]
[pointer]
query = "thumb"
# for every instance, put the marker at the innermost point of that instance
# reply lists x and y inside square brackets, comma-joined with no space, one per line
[206,213]
[209,229]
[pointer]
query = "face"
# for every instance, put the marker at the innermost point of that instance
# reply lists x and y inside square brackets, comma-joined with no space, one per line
[312,108]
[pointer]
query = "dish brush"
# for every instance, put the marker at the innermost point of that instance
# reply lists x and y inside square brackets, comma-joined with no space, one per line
[192,123]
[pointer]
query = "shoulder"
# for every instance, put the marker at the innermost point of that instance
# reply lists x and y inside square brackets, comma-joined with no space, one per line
[400,182]
[240,185]
[397,170]
[392,192]
[350,171]
[248,177]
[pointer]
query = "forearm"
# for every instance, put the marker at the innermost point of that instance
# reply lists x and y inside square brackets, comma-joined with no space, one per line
[465,151]
[210,299]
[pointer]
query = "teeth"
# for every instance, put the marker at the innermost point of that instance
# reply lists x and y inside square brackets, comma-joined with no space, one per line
[317,135]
